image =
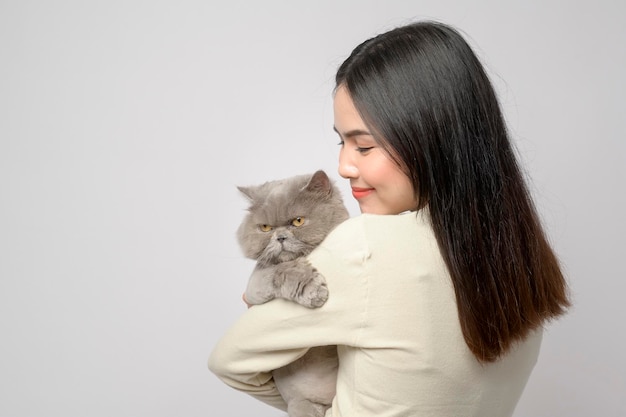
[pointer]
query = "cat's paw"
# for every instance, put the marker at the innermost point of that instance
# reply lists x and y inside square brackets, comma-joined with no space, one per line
[315,292]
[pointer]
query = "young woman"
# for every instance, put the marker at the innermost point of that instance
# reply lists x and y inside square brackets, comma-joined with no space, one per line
[440,289]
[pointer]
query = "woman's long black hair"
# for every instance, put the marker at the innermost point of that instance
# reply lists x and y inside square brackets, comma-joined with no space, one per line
[427,99]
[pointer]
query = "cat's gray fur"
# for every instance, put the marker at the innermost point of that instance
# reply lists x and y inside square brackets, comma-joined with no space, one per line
[301,211]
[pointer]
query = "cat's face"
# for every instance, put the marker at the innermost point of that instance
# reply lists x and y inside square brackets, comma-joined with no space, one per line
[288,218]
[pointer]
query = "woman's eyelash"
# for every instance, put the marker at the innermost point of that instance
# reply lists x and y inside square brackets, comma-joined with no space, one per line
[358,148]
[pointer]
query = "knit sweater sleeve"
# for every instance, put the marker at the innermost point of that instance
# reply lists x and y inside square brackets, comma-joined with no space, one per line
[269,336]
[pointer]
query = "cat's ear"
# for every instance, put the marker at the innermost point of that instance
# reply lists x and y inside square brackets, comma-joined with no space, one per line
[319,184]
[247,191]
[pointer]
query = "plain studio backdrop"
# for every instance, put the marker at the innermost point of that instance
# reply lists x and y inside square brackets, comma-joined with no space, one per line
[125,127]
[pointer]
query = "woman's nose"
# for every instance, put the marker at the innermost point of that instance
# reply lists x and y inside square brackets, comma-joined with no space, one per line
[347,169]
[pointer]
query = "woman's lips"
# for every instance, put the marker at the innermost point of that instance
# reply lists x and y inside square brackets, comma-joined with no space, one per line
[359,193]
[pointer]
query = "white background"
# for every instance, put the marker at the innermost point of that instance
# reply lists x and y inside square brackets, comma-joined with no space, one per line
[126,125]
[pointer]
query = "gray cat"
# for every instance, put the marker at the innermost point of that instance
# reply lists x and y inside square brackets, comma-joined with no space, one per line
[287,219]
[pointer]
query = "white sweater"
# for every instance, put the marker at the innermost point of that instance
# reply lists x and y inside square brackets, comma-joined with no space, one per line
[392,312]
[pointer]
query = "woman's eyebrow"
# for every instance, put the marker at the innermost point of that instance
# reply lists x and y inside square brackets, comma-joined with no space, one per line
[353,133]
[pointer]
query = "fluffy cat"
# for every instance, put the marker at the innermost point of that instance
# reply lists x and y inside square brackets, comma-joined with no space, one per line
[286,220]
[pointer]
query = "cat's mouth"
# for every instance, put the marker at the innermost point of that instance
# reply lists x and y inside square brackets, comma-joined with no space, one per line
[286,250]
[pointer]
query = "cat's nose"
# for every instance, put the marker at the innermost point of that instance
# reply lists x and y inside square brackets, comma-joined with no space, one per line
[281,238]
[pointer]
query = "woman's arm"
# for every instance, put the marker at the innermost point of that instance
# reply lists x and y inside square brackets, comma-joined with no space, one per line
[272,335]
[234,362]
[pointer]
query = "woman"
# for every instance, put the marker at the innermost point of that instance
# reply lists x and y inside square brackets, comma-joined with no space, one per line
[440,289]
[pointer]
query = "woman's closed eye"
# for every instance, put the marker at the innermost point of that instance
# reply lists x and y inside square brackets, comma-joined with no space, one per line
[364,150]
[359,149]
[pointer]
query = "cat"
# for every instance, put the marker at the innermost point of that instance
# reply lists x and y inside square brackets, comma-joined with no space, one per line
[286,220]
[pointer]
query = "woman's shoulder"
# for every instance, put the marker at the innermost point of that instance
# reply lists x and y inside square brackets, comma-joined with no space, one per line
[404,241]
[410,220]
[373,227]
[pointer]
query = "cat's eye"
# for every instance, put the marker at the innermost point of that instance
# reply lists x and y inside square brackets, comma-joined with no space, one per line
[265,227]
[298,221]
